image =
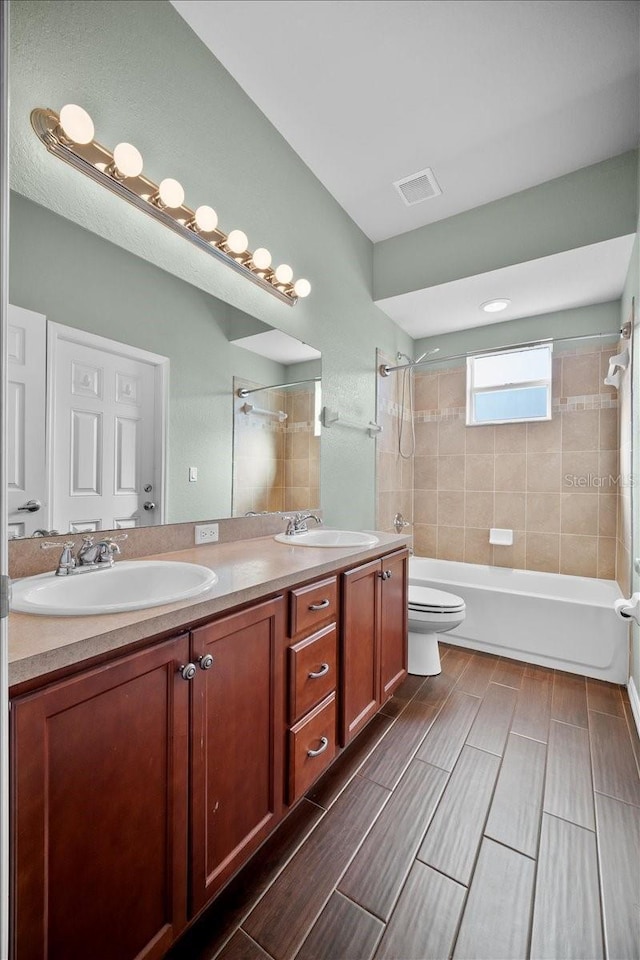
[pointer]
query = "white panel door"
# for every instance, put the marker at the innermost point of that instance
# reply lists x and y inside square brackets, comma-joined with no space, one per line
[26,421]
[107,448]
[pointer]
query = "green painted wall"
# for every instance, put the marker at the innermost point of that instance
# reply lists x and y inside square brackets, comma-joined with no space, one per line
[76,278]
[145,77]
[597,318]
[590,205]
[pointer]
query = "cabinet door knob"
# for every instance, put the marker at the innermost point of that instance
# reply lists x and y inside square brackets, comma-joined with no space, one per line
[388,574]
[206,661]
[319,606]
[322,672]
[383,575]
[187,671]
[324,743]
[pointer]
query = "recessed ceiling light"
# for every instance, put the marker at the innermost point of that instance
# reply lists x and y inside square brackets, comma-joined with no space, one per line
[495,306]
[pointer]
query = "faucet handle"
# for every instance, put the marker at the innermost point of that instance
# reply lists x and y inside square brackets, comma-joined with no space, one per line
[66,545]
[292,524]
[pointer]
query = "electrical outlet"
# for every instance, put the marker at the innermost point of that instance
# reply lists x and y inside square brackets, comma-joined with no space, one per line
[207,533]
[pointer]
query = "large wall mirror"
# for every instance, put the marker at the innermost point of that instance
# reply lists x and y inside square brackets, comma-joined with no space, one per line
[124,405]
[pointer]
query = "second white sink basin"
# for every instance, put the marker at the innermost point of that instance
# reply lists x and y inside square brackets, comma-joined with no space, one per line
[128,585]
[328,538]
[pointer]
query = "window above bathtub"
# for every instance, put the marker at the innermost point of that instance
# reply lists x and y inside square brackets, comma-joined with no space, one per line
[509,386]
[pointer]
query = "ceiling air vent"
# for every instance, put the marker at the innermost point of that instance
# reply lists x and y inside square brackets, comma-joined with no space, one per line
[418,187]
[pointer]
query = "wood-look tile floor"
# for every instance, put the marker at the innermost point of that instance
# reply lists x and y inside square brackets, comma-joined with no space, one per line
[490,812]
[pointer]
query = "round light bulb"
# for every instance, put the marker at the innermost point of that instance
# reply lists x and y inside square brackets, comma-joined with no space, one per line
[76,123]
[237,241]
[261,258]
[302,288]
[171,193]
[284,273]
[128,160]
[206,219]
[495,306]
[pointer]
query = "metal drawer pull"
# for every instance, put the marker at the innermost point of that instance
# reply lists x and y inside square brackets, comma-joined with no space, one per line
[187,671]
[320,606]
[324,743]
[324,669]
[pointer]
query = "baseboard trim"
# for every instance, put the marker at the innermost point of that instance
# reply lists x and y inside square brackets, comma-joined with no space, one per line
[635,703]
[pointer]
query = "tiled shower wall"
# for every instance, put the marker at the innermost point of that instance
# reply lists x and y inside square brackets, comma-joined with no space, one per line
[394,473]
[276,465]
[554,483]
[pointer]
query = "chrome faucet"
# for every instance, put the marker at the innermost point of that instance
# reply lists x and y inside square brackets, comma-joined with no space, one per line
[90,556]
[67,561]
[100,554]
[298,523]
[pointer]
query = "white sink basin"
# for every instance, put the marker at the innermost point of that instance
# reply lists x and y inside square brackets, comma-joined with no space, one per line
[128,585]
[328,538]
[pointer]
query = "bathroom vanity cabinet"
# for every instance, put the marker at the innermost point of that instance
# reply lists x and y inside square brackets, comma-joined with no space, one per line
[140,785]
[99,790]
[236,752]
[374,638]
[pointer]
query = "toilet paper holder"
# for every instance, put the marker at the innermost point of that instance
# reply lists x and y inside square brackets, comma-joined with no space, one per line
[628,609]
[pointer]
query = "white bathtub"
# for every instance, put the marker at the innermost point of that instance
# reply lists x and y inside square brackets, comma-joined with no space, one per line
[549,619]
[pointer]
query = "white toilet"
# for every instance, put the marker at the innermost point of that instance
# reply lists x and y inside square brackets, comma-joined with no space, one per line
[430,612]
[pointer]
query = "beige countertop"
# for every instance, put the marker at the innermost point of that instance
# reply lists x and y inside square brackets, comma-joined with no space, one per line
[247,570]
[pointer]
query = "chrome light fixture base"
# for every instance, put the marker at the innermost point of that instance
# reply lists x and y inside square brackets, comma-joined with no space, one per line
[97,163]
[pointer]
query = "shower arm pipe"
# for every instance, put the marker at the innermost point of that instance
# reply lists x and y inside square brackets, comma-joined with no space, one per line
[243,392]
[385,369]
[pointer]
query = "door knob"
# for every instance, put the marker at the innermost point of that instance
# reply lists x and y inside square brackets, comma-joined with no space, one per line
[31,506]
[149,505]
[206,661]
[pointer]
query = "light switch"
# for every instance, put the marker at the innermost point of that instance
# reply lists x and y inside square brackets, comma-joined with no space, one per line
[193,474]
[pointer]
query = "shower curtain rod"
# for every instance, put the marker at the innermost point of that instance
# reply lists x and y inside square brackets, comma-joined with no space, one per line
[385,369]
[243,392]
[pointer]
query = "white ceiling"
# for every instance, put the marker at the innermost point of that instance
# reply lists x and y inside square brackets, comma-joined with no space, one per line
[494,95]
[575,278]
[278,346]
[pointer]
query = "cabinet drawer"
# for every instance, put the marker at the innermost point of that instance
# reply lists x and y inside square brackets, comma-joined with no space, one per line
[313,606]
[312,671]
[312,747]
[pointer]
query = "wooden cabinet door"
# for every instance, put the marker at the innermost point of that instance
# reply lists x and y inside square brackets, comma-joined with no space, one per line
[99,785]
[360,680]
[393,622]
[237,746]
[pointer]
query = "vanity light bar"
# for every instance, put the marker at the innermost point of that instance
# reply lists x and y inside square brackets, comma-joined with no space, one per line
[70,136]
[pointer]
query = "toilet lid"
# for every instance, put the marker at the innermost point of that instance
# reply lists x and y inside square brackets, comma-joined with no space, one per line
[425,598]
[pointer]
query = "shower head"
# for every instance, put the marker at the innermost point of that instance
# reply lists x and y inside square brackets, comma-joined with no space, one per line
[385,369]
[427,353]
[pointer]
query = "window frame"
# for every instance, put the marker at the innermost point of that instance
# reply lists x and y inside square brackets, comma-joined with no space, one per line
[472,392]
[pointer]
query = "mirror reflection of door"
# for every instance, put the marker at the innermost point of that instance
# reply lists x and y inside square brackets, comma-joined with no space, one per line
[27,498]
[107,403]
